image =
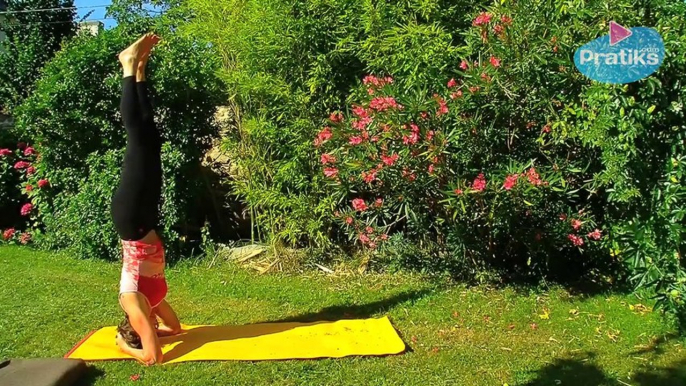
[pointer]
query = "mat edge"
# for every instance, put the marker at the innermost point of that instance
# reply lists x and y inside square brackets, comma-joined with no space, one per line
[66,356]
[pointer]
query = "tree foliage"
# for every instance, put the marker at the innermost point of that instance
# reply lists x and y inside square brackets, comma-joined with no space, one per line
[35,31]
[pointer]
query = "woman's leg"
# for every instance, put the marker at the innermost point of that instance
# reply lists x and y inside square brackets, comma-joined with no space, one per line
[141,81]
[171,326]
[135,204]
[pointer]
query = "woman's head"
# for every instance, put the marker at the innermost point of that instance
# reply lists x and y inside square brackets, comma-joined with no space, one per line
[129,335]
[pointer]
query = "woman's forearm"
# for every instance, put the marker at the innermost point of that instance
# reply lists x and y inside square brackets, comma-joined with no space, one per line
[152,350]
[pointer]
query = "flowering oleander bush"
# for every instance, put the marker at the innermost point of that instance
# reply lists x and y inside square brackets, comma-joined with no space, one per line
[20,185]
[397,163]
[487,148]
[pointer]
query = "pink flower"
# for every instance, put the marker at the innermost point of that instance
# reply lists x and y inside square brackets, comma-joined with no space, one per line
[479,183]
[360,112]
[498,29]
[359,205]
[372,245]
[330,172]
[29,188]
[431,169]
[412,139]
[458,191]
[474,89]
[21,165]
[430,135]
[495,62]
[576,240]
[362,123]
[5,152]
[576,224]
[25,238]
[377,82]
[42,183]
[483,18]
[464,65]
[355,140]
[370,91]
[29,151]
[442,107]
[595,235]
[563,217]
[26,209]
[370,79]
[323,136]
[326,159]
[389,160]
[369,177]
[410,176]
[456,94]
[506,19]
[364,238]
[533,177]
[378,203]
[424,115]
[336,117]
[369,230]
[452,83]
[510,181]
[21,145]
[349,220]
[30,170]
[8,234]
[135,377]
[384,237]
[485,77]
[546,129]
[384,103]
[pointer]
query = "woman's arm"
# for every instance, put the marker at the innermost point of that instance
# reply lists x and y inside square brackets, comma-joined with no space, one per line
[136,307]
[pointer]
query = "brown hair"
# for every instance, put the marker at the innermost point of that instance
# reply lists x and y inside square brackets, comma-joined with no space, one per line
[130,336]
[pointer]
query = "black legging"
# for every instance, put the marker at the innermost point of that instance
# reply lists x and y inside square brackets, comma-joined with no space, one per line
[135,203]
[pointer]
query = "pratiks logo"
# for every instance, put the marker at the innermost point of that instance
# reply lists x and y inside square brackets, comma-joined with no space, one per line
[623,56]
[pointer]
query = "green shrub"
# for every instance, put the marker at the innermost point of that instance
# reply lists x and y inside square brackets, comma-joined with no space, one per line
[31,39]
[619,147]
[287,64]
[611,155]
[10,194]
[73,119]
[16,168]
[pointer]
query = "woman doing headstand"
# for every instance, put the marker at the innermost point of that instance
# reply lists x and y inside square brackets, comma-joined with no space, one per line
[143,286]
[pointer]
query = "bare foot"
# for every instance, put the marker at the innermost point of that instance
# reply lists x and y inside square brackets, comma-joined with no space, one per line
[131,54]
[163,330]
[150,41]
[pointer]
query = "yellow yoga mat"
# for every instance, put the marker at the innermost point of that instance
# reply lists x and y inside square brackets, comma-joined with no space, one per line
[267,341]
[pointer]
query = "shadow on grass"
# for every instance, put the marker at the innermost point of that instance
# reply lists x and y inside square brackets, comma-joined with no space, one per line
[90,376]
[656,346]
[581,371]
[674,375]
[208,334]
[356,311]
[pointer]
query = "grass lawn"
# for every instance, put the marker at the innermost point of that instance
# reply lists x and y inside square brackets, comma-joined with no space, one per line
[455,335]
